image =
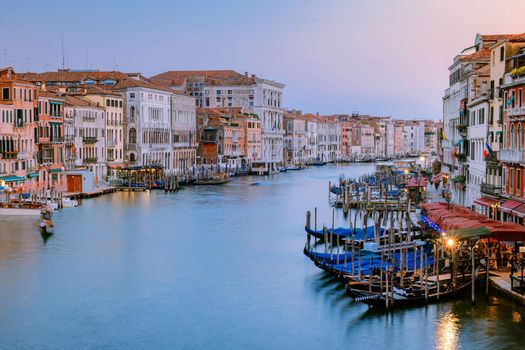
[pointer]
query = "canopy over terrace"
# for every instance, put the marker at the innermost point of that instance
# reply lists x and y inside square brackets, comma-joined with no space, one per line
[416,182]
[437,178]
[455,217]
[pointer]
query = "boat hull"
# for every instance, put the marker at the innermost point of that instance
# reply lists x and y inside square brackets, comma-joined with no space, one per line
[20,212]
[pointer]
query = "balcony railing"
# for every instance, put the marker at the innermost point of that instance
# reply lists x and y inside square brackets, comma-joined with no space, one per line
[492,157]
[89,139]
[132,146]
[90,160]
[516,111]
[511,156]
[490,189]
[22,155]
[9,155]
[111,143]
[57,139]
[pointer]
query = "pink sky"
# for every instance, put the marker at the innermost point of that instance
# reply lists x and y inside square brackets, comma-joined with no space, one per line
[380,56]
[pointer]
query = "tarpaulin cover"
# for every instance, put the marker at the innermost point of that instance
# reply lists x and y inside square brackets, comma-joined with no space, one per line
[456,217]
[485,202]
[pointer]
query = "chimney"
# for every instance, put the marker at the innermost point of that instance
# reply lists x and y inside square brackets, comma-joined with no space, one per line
[253,76]
[246,74]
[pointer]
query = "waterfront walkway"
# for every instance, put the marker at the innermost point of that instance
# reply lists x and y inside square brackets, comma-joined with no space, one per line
[501,282]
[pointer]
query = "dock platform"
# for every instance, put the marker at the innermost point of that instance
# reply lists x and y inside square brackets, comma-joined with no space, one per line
[501,283]
[95,193]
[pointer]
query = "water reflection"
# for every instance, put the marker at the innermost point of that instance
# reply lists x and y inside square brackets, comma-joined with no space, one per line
[217,267]
[447,329]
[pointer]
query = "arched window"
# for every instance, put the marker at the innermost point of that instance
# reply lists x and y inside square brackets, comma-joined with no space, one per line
[132,157]
[512,137]
[519,136]
[504,136]
[132,135]
[132,113]
[219,148]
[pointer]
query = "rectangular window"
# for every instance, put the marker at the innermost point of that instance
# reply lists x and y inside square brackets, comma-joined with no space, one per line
[501,54]
[491,115]
[218,92]
[107,103]
[519,98]
[5,94]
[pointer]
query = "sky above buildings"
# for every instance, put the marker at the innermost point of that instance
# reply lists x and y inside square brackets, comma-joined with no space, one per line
[379,57]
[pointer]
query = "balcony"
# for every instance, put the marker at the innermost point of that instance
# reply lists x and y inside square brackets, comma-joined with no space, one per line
[56,139]
[490,189]
[9,155]
[132,146]
[462,157]
[511,156]
[89,139]
[111,143]
[22,155]
[492,157]
[462,130]
[90,160]
[516,111]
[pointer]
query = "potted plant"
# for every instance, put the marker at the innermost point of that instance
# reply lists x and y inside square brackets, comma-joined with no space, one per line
[462,157]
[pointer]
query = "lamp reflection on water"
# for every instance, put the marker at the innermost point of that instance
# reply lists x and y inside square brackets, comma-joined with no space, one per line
[447,329]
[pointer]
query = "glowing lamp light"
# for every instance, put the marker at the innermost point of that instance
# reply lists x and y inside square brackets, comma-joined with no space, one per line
[406,171]
[450,242]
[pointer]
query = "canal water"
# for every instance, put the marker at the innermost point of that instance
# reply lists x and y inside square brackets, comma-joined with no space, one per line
[212,268]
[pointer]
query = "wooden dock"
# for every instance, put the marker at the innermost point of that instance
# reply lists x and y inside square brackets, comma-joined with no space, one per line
[501,283]
[133,189]
[95,193]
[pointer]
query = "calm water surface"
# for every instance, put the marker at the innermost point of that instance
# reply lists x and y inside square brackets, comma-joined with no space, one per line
[210,267]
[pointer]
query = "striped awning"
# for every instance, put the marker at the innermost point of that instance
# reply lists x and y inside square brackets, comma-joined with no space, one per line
[12,178]
[55,171]
[509,205]
[485,202]
[519,211]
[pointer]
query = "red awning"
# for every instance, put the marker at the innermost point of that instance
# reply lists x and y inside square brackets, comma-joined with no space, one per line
[519,211]
[421,182]
[437,177]
[509,205]
[485,202]
[451,217]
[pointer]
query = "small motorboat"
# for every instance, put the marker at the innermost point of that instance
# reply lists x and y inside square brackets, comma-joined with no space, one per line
[69,202]
[293,167]
[52,204]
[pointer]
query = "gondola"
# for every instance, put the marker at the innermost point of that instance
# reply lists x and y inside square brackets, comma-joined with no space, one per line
[407,297]
[344,232]
[205,182]
[337,190]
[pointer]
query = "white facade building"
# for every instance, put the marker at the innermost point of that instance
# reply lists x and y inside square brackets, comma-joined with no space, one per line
[148,127]
[183,124]
[268,106]
[88,121]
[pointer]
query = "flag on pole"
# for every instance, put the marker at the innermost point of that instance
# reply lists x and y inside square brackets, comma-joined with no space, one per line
[509,101]
[487,151]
